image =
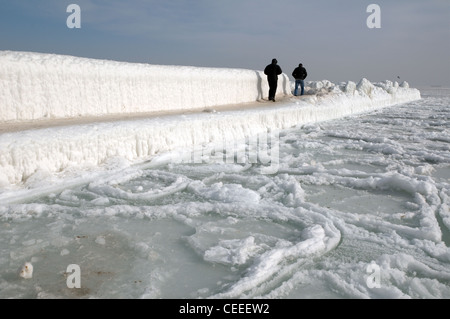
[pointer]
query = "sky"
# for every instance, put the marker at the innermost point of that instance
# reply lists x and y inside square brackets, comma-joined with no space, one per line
[331,38]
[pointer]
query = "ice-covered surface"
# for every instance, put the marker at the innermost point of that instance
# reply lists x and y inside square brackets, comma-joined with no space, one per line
[359,208]
[38,86]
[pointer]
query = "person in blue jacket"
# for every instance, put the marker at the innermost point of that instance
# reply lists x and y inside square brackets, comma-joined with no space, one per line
[272,71]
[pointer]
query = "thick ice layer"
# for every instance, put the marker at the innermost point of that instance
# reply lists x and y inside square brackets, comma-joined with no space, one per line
[359,208]
[27,153]
[47,86]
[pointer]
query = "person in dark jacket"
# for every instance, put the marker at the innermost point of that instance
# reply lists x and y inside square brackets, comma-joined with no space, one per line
[273,71]
[299,75]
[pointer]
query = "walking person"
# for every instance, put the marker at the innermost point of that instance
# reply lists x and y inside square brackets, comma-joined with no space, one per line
[272,71]
[299,75]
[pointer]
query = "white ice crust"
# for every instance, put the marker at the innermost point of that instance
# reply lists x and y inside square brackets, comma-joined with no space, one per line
[47,86]
[37,86]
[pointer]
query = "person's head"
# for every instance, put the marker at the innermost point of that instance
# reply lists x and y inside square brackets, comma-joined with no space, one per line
[274,61]
[300,65]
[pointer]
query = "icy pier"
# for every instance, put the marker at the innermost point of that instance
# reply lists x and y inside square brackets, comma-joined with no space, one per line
[41,87]
[46,86]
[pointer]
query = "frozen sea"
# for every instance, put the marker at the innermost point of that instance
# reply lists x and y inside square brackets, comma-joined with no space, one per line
[358,208]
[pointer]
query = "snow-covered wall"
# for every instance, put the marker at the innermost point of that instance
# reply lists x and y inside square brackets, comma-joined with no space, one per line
[45,151]
[37,86]
[30,154]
